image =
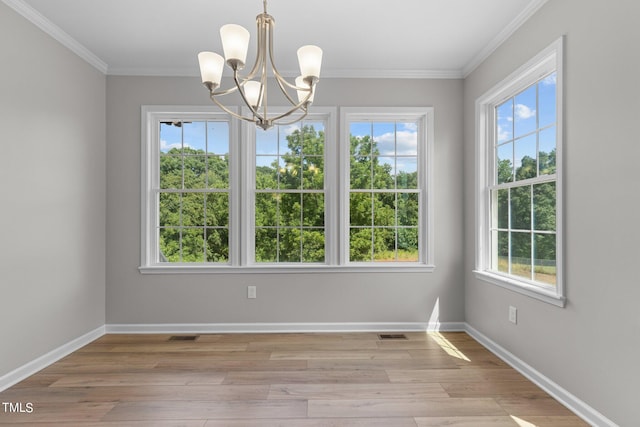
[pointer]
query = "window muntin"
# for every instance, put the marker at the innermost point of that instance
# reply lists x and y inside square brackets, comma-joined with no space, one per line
[193,192]
[289,193]
[523,192]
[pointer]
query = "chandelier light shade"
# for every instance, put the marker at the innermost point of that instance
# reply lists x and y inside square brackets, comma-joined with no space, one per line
[253,87]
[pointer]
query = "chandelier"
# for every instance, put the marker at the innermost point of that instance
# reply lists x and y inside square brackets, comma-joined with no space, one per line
[253,87]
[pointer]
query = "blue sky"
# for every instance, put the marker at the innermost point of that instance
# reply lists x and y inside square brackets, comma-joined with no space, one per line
[210,136]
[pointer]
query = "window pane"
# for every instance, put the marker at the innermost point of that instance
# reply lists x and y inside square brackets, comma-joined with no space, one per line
[290,209]
[169,209]
[266,245]
[267,141]
[194,138]
[384,139]
[266,209]
[383,172]
[290,173]
[503,208]
[171,172]
[544,206]
[267,169]
[547,100]
[170,138]
[313,139]
[192,245]
[545,258]
[360,244]
[408,244]
[169,245]
[218,138]
[408,209]
[290,139]
[289,245]
[217,244]
[313,210]
[504,162]
[360,209]
[313,173]
[360,173]
[384,212]
[195,172]
[521,254]
[313,245]
[503,251]
[525,112]
[521,208]
[217,172]
[547,147]
[384,244]
[217,209]
[407,172]
[193,209]
[525,158]
[504,130]
[407,139]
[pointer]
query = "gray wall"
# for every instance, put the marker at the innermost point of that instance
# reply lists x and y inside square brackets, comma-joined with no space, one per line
[591,347]
[52,193]
[330,297]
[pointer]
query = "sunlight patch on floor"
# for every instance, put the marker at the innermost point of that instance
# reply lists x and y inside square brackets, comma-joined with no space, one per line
[448,347]
[521,422]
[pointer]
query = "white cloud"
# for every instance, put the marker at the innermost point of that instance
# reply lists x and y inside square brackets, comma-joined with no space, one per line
[164,146]
[523,112]
[550,79]
[503,134]
[406,140]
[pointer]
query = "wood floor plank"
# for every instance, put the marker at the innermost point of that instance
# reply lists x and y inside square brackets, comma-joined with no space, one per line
[345,354]
[339,345]
[436,407]
[317,422]
[396,364]
[102,380]
[494,389]
[231,365]
[172,410]
[483,421]
[179,393]
[540,406]
[551,421]
[316,377]
[453,375]
[356,391]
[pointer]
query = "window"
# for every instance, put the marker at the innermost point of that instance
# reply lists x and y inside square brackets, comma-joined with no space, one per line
[387,153]
[519,180]
[289,196]
[221,197]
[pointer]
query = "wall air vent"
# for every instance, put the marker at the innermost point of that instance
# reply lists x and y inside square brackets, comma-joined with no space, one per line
[392,336]
[183,337]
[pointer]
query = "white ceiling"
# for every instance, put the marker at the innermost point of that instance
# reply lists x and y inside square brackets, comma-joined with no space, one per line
[360,38]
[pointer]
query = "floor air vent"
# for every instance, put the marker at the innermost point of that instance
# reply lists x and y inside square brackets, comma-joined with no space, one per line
[183,338]
[392,336]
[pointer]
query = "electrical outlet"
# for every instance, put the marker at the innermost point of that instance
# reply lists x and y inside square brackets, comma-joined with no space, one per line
[513,314]
[251,292]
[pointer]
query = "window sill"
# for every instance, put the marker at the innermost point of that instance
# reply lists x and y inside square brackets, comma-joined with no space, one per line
[284,269]
[546,295]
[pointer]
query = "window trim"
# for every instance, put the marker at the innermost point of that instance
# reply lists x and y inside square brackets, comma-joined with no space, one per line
[548,60]
[425,118]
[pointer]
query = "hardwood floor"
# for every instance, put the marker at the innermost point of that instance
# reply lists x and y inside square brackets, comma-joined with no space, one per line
[284,380]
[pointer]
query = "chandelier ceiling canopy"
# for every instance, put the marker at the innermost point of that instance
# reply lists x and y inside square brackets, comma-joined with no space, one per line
[253,87]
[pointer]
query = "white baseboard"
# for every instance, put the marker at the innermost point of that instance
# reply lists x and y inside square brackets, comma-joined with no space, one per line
[45,360]
[579,407]
[219,328]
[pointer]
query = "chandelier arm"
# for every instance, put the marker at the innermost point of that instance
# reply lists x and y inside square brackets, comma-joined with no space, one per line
[260,20]
[299,106]
[234,114]
[297,119]
[244,98]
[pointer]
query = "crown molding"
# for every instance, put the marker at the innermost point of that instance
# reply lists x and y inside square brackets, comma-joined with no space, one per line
[57,33]
[502,36]
[326,74]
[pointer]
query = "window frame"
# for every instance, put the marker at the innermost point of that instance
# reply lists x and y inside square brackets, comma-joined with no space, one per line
[424,116]
[547,61]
